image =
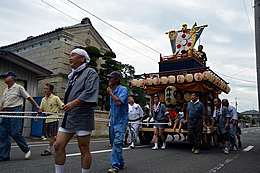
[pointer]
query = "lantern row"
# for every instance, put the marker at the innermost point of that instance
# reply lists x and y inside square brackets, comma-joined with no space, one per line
[181,79]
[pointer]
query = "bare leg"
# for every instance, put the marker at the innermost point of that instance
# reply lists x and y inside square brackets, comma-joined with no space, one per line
[155,136]
[60,144]
[86,159]
[180,125]
[161,134]
[174,127]
[52,139]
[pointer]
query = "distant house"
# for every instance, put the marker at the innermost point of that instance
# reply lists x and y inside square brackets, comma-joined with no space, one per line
[51,51]
[253,114]
[28,75]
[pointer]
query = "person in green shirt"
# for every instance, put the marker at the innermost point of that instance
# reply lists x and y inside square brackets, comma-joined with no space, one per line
[50,103]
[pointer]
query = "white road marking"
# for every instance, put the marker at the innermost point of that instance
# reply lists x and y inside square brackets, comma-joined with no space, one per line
[47,144]
[104,151]
[221,165]
[248,148]
[245,132]
[252,130]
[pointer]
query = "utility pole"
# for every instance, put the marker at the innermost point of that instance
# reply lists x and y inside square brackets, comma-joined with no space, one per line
[236,103]
[257,45]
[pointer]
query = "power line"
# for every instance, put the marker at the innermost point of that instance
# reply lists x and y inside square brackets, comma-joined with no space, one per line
[243,70]
[237,78]
[102,33]
[59,10]
[115,27]
[248,19]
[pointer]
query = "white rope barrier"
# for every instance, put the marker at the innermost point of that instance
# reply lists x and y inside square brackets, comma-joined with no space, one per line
[49,113]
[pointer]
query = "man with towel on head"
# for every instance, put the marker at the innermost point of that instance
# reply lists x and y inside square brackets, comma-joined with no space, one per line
[81,97]
[135,114]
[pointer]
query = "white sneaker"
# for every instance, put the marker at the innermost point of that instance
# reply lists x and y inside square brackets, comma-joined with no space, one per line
[155,148]
[27,155]
[163,146]
[132,146]
[235,148]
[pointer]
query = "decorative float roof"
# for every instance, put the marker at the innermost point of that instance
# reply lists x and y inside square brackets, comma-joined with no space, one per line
[185,69]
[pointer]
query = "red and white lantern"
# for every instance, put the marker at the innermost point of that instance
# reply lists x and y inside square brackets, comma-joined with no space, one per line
[180,78]
[149,81]
[207,76]
[189,77]
[164,80]
[134,82]
[198,77]
[141,82]
[171,79]
[156,80]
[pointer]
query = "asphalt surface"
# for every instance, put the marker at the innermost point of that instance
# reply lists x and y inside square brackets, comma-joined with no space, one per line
[176,158]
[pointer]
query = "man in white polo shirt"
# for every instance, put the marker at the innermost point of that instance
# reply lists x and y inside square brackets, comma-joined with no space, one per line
[12,101]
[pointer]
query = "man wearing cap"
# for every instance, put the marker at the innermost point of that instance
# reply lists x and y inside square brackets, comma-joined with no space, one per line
[195,116]
[118,121]
[81,98]
[12,101]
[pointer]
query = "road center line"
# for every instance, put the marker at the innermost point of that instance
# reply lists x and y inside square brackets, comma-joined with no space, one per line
[248,148]
[104,151]
[221,165]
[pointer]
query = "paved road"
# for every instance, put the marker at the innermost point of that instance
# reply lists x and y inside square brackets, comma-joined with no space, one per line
[176,158]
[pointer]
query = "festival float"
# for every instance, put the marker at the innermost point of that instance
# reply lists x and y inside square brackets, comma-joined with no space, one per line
[180,74]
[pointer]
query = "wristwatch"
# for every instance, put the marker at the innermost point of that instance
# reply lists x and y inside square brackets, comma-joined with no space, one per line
[38,107]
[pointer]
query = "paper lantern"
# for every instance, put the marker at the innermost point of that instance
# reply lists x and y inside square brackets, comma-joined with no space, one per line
[189,77]
[187,97]
[149,81]
[164,80]
[141,82]
[218,83]
[171,79]
[225,87]
[228,89]
[169,95]
[162,97]
[180,78]
[207,76]
[134,82]
[214,81]
[198,77]
[156,80]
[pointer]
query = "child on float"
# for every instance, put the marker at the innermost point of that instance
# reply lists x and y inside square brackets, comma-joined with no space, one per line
[173,117]
[181,112]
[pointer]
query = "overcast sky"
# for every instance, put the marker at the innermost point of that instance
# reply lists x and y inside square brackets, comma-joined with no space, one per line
[228,40]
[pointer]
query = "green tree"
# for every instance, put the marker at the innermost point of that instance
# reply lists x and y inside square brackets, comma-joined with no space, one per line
[109,65]
[128,73]
[94,54]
